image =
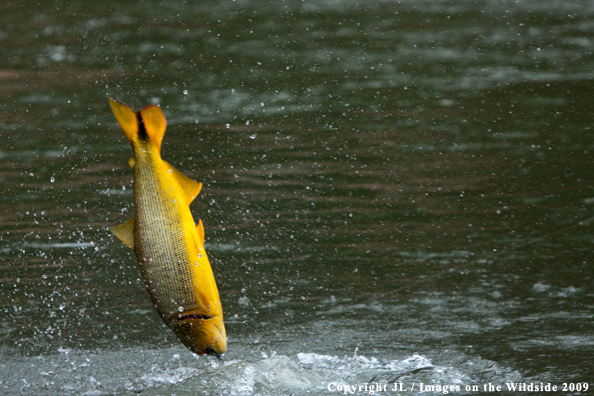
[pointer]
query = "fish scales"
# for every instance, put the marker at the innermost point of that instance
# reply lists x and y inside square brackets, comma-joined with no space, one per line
[160,242]
[168,244]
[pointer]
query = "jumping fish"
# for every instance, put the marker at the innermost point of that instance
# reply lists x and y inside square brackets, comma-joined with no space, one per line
[168,244]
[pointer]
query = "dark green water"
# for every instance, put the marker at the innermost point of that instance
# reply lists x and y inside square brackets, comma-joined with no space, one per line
[392,192]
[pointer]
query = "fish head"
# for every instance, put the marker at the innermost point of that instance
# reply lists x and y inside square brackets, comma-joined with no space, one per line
[201,334]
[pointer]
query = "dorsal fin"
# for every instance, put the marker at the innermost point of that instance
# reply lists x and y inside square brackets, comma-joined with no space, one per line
[125,232]
[127,120]
[154,124]
[189,187]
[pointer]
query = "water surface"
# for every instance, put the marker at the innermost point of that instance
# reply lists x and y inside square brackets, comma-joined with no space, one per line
[393,192]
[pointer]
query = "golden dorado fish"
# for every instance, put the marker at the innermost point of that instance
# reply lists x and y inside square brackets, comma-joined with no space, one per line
[168,244]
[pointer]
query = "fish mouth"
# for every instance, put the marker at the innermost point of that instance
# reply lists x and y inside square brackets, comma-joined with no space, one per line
[179,318]
[211,352]
[202,334]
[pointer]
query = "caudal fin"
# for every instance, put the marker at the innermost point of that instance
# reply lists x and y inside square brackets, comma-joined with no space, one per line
[127,119]
[154,123]
[148,123]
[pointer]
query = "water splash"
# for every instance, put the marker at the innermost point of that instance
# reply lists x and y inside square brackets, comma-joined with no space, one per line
[167,371]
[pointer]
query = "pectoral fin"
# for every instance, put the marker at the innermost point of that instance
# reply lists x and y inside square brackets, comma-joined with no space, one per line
[125,232]
[189,187]
[131,162]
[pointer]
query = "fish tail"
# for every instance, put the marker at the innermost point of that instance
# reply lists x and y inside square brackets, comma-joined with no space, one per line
[148,124]
[154,123]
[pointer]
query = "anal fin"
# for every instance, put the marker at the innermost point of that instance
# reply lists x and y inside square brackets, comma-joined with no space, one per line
[190,188]
[125,232]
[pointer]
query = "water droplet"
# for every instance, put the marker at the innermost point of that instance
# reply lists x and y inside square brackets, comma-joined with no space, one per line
[185,91]
[52,179]
[180,309]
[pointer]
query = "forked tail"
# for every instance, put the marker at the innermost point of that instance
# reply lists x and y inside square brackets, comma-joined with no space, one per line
[149,123]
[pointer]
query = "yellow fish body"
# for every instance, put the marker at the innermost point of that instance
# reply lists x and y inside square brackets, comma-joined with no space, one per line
[168,244]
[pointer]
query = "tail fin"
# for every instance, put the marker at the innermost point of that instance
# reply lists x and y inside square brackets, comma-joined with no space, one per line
[149,121]
[154,124]
[127,120]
